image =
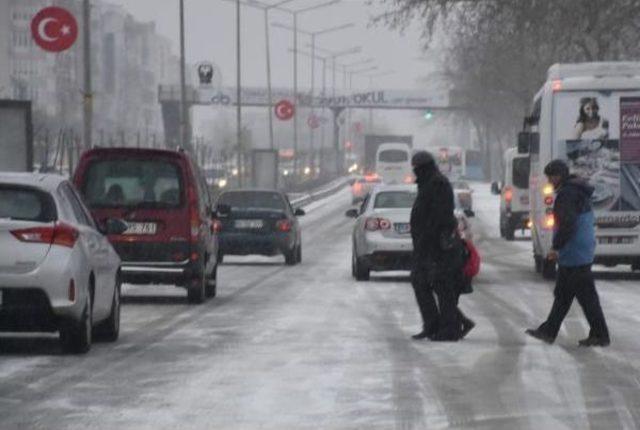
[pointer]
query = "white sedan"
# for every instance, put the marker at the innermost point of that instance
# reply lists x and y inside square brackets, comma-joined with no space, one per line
[57,271]
[381,239]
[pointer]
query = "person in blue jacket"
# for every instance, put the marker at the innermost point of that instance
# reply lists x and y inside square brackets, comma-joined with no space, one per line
[573,248]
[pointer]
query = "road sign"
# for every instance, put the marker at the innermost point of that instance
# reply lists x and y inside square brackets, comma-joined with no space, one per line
[284,110]
[313,121]
[54,29]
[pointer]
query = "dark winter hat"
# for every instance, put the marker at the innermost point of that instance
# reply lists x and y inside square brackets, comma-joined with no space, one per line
[557,168]
[422,158]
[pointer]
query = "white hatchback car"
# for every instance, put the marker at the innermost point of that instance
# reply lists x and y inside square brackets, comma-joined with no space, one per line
[57,271]
[382,232]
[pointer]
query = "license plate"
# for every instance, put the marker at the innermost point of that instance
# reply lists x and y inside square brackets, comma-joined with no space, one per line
[403,228]
[141,228]
[524,200]
[249,223]
[616,240]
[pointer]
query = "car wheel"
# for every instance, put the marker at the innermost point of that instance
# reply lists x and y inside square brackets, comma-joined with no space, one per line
[76,335]
[212,283]
[509,233]
[109,330]
[196,291]
[548,269]
[360,270]
[290,256]
[538,263]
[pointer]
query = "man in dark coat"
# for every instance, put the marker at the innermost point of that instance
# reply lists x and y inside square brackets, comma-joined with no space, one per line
[436,268]
[573,248]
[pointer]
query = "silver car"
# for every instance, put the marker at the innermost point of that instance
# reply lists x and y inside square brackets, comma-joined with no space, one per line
[381,239]
[57,271]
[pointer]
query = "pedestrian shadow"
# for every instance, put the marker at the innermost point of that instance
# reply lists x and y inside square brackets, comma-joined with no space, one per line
[154,300]
[30,345]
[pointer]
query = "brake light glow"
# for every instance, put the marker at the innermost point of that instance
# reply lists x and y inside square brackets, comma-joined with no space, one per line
[548,200]
[529,224]
[409,179]
[556,85]
[284,225]
[372,177]
[357,187]
[547,190]
[217,226]
[60,233]
[375,224]
[549,221]
[508,195]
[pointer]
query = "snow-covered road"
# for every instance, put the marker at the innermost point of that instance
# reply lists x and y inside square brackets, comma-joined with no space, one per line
[307,347]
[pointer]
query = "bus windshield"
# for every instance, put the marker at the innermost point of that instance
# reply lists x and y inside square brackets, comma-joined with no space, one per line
[587,134]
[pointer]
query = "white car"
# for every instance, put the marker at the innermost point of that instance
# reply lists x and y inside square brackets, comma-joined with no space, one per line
[57,271]
[381,236]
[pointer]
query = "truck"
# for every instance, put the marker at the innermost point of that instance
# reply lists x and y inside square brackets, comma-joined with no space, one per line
[371,144]
[16,136]
[601,145]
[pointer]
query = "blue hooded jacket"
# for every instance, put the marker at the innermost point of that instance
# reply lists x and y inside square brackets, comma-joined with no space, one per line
[574,234]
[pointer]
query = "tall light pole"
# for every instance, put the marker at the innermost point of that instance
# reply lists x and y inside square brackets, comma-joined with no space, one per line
[313,35]
[294,13]
[184,113]
[334,57]
[88,90]
[266,8]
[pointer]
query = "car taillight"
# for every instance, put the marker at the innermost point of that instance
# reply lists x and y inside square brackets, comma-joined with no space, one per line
[409,179]
[284,225]
[59,234]
[549,221]
[374,224]
[194,214]
[548,200]
[508,195]
[217,226]
[357,187]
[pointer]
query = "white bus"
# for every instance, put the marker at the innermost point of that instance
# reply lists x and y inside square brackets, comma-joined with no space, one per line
[393,163]
[589,115]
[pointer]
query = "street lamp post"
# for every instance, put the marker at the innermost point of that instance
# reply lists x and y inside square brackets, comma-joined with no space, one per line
[313,35]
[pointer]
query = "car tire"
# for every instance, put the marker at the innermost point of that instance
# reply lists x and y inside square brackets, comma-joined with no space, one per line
[509,233]
[635,266]
[76,336]
[212,283]
[109,330]
[548,269]
[299,254]
[196,292]
[360,270]
[290,256]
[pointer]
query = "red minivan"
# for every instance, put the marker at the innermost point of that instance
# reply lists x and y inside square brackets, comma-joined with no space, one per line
[164,199]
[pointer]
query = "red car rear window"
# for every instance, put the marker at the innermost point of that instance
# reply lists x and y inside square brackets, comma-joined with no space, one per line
[132,182]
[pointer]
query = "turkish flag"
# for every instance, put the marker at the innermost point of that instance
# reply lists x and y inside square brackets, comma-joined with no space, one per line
[54,29]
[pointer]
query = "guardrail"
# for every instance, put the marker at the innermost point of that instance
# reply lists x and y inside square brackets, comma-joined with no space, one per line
[302,199]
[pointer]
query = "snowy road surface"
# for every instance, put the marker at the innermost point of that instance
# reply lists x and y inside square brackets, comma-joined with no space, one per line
[307,347]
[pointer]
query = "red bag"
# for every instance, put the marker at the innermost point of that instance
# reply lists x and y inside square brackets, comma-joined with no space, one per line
[472,265]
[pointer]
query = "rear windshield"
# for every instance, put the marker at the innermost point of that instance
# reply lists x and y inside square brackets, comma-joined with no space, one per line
[133,183]
[393,156]
[394,200]
[521,172]
[253,200]
[26,204]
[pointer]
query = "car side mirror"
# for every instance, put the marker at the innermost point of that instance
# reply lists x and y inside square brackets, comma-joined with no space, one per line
[299,212]
[115,226]
[495,188]
[222,210]
[469,213]
[352,213]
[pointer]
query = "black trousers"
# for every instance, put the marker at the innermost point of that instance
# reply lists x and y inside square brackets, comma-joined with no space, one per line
[576,282]
[441,318]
